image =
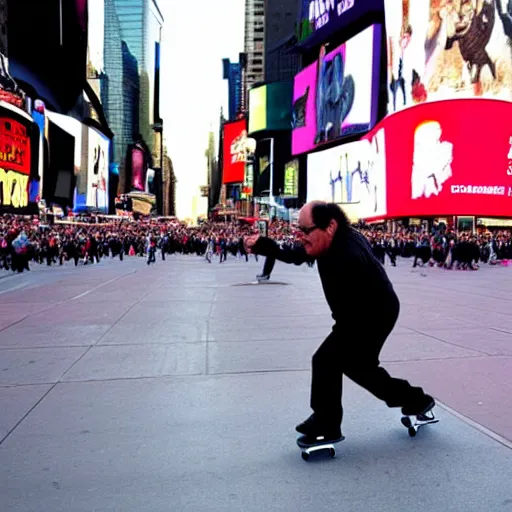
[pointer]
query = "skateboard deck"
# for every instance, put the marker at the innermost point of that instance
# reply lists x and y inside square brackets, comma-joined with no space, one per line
[414,423]
[308,449]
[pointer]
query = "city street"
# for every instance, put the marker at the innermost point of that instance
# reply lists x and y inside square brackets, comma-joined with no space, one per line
[177,387]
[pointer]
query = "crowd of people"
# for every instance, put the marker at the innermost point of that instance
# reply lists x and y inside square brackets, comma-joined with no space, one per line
[25,240]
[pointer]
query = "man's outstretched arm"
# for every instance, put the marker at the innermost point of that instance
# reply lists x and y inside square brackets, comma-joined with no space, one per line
[267,247]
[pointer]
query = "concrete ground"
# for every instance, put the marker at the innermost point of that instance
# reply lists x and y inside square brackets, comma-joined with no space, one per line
[177,387]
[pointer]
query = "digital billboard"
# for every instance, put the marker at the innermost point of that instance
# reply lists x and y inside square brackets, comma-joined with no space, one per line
[235,151]
[439,163]
[97,170]
[338,95]
[54,63]
[445,50]
[74,128]
[352,175]
[19,178]
[270,107]
[291,178]
[320,19]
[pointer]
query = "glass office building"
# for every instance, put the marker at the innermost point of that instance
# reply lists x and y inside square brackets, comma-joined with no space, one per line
[140,24]
[232,72]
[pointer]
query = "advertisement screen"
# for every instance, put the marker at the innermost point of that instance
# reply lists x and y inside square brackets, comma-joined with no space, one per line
[235,151]
[55,62]
[351,175]
[258,109]
[15,164]
[291,179]
[446,50]
[338,95]
[270,107]
[97,170]
[320,19]
[439,163]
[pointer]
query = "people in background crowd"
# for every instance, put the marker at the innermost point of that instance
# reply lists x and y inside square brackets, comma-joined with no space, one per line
[25,239]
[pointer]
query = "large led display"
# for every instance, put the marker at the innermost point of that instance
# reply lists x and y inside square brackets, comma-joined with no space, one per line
[235,151]
[97,170]
[439,163]
[445,50]
[422,162]
[338,95]
[351,175]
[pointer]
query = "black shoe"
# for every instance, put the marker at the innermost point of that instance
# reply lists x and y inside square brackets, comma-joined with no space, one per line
[313,429]
[308,442]
[420,408]
[262,277]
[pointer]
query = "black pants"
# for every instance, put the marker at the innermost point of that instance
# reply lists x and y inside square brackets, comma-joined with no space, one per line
[268,266]
[355,353]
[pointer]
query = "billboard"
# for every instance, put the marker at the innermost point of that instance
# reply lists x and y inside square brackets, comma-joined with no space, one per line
[352,175]
[320,19]
[291,178]
[270,107]
[54,64]
[97,170]
[74,128]
[439,163]
[338,95]
[19,149]
[446,50]
[235,151]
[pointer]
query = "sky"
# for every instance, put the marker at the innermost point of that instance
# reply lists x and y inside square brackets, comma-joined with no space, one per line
[197,35]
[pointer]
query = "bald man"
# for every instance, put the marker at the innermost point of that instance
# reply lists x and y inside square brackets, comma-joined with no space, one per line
[365,309]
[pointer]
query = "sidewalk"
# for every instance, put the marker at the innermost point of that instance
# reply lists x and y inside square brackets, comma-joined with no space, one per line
[177,388]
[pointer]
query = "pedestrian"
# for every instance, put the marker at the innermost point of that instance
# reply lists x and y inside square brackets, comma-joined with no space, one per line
[365,309]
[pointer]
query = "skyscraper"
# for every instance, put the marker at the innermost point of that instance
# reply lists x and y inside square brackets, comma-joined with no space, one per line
[254,45]
[232,72]
[281,62]
[141,22]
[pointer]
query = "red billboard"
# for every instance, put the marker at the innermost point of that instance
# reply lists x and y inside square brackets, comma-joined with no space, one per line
[450,157]
[235,151]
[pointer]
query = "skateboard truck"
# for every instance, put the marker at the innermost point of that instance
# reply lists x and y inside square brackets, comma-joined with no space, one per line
[307,449]
[414,423]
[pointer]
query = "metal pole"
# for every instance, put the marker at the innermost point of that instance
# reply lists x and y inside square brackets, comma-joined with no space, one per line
[61,29]
[271,163]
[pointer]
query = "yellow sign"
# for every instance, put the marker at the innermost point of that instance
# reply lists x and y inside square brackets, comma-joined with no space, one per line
[13,189]
[258,109]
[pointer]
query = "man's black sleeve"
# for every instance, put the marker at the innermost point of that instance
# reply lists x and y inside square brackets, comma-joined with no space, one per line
[267,247]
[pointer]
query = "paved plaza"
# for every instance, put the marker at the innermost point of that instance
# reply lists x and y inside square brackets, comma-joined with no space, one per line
[177,387]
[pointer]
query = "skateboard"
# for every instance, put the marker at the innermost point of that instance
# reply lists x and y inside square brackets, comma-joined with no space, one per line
[414,423]
[307,449]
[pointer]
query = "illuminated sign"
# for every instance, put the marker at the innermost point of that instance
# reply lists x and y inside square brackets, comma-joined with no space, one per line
[321,11]
[13,189]
[291,179]
[320,19]
[15,163]
[14,146]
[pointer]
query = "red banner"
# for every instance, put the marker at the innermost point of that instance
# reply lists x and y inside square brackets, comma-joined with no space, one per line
[14,146]
[450,157]
[235,151]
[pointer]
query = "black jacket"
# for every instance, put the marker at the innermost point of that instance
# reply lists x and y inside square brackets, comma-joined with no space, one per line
[355,283]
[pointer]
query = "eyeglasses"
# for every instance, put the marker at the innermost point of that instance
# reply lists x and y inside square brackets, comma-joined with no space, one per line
[307,230]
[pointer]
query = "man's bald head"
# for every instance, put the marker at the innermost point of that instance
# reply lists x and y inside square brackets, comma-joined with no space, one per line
[306,213]
[319,222]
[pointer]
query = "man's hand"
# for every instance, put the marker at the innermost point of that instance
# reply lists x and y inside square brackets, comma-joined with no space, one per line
[250,242]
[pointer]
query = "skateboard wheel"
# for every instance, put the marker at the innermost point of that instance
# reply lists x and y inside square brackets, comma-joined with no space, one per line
[305,456]
[332,453]
[412,431]
[406,421]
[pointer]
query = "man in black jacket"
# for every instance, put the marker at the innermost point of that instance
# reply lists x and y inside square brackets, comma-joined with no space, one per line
[365,309]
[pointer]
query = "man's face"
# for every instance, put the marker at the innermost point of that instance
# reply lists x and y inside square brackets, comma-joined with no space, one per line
[316,241]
